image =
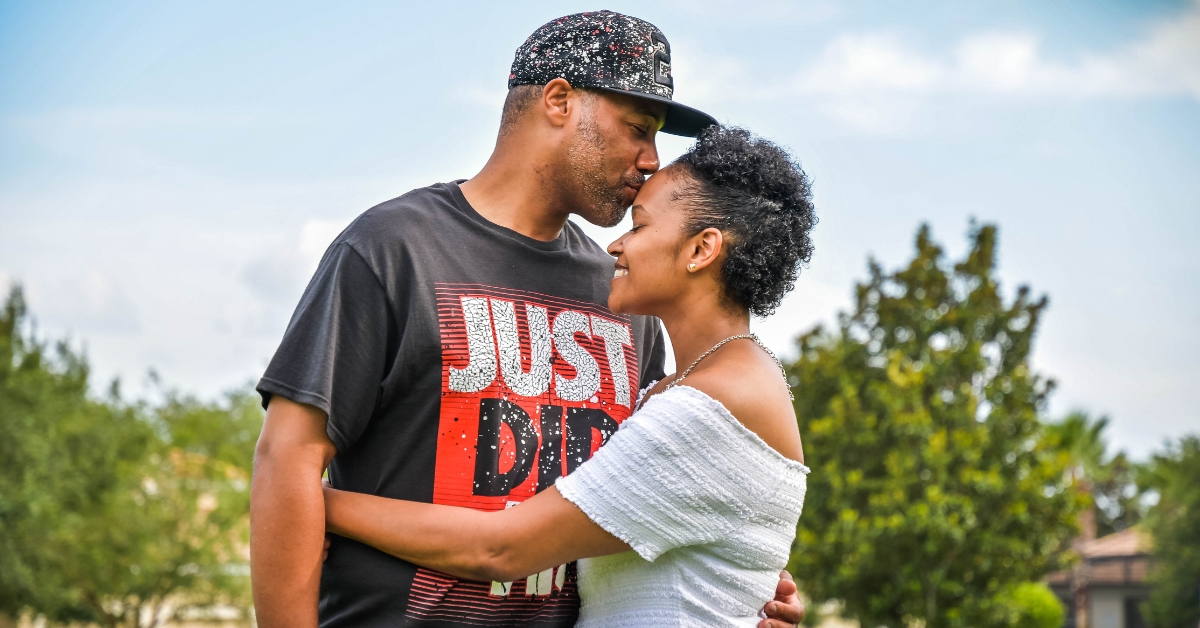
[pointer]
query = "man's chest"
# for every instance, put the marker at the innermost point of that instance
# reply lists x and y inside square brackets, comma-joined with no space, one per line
[531,386]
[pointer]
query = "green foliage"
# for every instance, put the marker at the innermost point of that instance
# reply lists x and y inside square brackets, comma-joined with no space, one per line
[1111,480]
[1174,524]
[1030,605]
[933,486]
[108,510]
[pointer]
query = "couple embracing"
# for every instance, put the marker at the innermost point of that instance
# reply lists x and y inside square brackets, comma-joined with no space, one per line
[485,385]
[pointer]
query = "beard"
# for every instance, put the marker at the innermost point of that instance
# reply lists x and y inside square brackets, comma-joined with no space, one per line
[599,201]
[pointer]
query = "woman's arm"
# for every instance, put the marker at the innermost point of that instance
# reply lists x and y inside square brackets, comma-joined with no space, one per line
[543,532]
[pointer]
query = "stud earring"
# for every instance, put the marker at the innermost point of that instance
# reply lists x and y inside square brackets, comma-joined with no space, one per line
[691,268]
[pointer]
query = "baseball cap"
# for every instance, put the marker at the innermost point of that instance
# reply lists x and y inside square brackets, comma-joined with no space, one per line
[611,52]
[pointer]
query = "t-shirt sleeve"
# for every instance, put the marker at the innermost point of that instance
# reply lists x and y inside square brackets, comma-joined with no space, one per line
[334,353]
[665,481]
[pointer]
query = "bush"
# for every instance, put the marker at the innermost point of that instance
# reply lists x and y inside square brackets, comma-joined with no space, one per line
[1030,605]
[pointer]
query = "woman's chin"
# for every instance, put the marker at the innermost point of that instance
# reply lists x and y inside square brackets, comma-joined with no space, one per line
[617,305]
[624,306]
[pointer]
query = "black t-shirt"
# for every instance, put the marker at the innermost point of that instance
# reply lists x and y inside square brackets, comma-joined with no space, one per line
[460,363]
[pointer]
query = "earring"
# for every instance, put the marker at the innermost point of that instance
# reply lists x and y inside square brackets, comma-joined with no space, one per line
[691,268]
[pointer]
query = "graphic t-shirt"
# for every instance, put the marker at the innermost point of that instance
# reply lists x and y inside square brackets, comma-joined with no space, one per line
[459,363]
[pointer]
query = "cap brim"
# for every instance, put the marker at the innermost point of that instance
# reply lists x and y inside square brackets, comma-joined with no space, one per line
[681,119]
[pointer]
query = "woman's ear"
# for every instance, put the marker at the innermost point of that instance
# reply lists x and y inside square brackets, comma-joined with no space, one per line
[704,248]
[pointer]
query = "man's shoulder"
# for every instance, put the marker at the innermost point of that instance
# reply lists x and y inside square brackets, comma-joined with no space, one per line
[402,218]
[584,245]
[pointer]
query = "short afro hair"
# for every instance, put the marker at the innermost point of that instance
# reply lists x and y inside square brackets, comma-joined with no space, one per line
[760,199]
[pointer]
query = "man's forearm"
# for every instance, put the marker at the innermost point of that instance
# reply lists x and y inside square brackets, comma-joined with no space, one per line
[287,516]
[287,529]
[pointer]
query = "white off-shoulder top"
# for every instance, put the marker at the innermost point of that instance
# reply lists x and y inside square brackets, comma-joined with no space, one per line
[708,507]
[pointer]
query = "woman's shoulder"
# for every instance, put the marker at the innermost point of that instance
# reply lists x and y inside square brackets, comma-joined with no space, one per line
[751,387]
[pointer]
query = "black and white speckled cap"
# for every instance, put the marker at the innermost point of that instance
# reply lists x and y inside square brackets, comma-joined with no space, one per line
[607,51]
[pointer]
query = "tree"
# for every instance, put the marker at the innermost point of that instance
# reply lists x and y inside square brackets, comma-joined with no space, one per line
[933,485]
[1174,523]
[111,512]
[1110,480]
[59,468]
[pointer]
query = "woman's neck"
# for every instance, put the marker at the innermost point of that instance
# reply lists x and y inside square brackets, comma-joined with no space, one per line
[699,324]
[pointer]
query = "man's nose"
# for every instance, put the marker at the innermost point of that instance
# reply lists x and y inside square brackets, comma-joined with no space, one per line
[648,160]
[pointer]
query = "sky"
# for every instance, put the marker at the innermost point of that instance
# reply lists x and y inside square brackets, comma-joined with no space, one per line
[171,172]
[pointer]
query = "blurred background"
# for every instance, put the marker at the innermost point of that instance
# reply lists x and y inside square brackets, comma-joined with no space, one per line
[170,173]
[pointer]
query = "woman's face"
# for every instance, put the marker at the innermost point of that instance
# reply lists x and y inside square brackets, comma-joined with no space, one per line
[650,268]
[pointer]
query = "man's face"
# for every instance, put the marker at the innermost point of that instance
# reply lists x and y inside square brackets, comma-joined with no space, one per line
[611,154]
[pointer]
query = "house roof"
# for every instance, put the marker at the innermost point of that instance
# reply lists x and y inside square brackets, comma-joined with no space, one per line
[1128,542]
[1120,559]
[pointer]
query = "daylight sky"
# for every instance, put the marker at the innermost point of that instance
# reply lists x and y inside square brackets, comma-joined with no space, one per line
[170,172]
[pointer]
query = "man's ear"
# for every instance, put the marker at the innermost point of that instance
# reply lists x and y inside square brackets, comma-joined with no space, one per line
[704,248]
[558,97]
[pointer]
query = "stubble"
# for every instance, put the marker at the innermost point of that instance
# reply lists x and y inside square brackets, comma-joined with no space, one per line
[601,203]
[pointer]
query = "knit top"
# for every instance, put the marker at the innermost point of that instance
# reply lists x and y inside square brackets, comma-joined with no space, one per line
[708,507]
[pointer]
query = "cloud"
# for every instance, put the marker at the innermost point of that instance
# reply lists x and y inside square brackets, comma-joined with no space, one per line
[857,63]
[1169,59]
[760,12]
[89,301]
[276,280]
[279,277]
[1164,63]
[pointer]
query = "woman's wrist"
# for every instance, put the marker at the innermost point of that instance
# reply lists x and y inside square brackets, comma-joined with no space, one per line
[331,497]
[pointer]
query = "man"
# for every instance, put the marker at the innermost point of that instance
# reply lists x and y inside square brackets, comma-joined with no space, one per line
[455,347]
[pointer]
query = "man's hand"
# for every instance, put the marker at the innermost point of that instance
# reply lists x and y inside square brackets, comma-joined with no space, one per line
[287,515]
[786,609]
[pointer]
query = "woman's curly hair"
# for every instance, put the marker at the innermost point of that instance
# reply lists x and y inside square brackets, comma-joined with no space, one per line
[761,200]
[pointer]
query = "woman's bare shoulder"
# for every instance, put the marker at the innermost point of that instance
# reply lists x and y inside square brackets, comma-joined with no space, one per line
[749,384]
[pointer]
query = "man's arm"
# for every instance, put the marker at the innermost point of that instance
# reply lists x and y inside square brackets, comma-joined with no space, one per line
[287,514]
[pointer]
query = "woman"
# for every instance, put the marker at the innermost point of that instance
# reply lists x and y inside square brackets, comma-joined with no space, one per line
[705,482]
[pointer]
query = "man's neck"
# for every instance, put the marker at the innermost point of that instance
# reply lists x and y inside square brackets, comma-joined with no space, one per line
[518,192]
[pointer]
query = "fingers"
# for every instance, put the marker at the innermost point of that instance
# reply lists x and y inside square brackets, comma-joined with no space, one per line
[774,623]
[787,613]
[786,609]
[325,549]
[786,588]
